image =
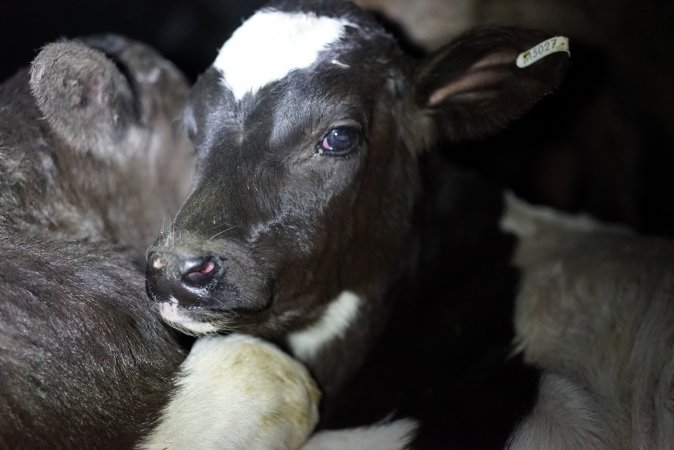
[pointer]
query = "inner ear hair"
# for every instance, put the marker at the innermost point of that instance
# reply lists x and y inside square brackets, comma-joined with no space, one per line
[473,86]
[477,80]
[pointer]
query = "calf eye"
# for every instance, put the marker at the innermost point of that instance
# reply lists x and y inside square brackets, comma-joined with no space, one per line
[339,141]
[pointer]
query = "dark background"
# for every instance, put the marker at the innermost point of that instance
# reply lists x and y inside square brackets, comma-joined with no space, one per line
[189,33]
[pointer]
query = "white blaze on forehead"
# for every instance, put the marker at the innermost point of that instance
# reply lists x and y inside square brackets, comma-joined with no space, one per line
[271,44]
[334,323]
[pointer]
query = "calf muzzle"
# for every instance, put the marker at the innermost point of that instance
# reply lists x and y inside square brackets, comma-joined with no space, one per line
[185,278]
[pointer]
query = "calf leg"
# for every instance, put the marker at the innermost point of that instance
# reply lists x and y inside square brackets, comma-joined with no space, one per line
[237,392]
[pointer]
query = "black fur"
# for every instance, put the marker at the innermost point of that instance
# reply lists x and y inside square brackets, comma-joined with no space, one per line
[445,357]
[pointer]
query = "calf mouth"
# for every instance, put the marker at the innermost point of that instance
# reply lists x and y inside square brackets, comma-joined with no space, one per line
[201,320]
[196,294]
[195,321]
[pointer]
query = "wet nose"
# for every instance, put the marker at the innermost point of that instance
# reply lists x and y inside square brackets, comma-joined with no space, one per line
[197,272]
[184,278]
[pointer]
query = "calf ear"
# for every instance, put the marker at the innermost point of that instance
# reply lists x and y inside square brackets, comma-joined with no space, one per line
[477,84]
[85,98]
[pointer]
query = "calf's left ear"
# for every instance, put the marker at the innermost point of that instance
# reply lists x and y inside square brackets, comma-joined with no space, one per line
[481,82]
[85,98]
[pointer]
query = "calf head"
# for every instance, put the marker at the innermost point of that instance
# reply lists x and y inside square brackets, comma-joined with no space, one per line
[308,128]
[103,94]
[115,163]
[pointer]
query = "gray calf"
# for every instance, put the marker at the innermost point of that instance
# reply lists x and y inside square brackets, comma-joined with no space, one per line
[91,163]
[595,311]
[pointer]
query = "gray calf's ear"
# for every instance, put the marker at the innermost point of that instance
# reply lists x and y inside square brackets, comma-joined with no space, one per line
[85,98]
[477,85]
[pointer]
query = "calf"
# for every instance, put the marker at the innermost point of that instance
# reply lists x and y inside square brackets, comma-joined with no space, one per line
[303,226]
[91,163]
[308,143]
[594,310]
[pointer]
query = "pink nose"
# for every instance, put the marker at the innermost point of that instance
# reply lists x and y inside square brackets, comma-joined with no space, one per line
[197,271]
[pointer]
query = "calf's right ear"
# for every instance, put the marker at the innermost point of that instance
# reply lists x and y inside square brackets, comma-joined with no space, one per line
[85,98]
[481,82]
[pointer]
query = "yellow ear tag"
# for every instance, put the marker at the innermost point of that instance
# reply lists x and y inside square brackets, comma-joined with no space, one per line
[539,51]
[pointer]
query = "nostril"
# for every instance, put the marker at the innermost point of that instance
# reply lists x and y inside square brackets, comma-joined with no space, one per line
[197,272]
[155,262]
[155,277]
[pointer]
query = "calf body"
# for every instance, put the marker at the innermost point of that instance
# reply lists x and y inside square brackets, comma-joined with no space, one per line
[300,214]
[86,144]
[594,309]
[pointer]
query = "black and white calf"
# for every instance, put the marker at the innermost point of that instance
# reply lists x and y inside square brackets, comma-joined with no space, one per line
[303,226]
[308,129]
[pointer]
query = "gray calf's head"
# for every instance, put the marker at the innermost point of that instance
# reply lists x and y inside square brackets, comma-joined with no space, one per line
[308,128]
[114,162]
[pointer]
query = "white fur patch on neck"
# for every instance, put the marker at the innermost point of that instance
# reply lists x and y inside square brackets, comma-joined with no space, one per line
[336,319]
[171,314]
[271,44]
